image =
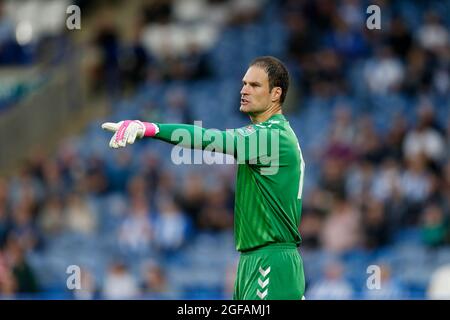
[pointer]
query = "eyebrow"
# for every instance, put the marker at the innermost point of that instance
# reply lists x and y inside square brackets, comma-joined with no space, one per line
[252,83]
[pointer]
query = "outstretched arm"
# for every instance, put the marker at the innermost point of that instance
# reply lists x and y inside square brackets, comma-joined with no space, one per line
[184,135]
[242,143]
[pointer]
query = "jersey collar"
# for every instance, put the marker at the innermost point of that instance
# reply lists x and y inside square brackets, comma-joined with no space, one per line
[277,116]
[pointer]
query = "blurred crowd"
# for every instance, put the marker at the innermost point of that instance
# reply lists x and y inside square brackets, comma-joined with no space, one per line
[61,195]
[375,180]
[374,184]
[170,40]
[370,180]
[409,54]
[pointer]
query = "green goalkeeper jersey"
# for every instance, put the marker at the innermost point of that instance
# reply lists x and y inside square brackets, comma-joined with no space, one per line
[269,177]
[268,194]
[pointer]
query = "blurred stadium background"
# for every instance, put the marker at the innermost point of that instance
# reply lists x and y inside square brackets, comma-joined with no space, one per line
[371,109]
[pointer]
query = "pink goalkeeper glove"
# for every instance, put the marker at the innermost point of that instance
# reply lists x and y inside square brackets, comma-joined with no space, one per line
[126,132]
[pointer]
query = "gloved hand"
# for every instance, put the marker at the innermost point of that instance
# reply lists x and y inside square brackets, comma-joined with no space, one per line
[127,131]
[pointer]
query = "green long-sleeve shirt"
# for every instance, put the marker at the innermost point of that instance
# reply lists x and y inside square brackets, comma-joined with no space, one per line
[269,176]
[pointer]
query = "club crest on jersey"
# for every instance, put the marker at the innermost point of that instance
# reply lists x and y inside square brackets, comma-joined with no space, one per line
[248,130]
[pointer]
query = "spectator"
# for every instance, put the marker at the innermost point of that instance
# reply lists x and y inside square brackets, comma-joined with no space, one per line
[415,181]
[195,62]
[434,226]
[10,51]
[418,73]
[343,130]
[345,41]
[154,279]
[395,137]
[24,276]
[301,41]
[6,26]
[425,138]
[95,179]
[150,171]
[351,11]
[360,181]
[341,228]
[390,288]
[310,228]
[24,190]
[177,108]
[171,226]
[439,285]
[333,286]
[158,11]
[88,290]
[384,73]
[332,177]
[108,43]
[23,227]
[398,211]
[136,61]
[136,230]
[375,222]
[215,215]
[329,71]
[432,35]
[166,185]
[245,12]
[8,284]
[368,142]
[119,171]
[387,181]
[53,182]
[119,283]
[79,215]
[400,38]
[137,187]
[50,218]
[192,196]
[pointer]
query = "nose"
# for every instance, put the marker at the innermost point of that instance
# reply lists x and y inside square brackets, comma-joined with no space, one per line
[244,90]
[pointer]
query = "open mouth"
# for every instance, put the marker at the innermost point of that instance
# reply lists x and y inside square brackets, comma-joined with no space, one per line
[244,101]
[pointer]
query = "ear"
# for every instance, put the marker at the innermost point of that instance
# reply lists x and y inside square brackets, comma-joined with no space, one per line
[276,94]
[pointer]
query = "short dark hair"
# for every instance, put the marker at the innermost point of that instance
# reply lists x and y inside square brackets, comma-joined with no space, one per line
[276,71]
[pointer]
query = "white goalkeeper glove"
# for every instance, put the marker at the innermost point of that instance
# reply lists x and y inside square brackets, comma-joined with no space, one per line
[126,132]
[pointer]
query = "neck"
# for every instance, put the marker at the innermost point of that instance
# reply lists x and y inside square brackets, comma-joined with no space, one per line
[265,115]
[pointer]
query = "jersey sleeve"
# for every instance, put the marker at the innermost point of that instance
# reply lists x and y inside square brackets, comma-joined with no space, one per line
[253,144]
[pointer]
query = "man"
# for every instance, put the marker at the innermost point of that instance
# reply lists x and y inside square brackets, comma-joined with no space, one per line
[268,185]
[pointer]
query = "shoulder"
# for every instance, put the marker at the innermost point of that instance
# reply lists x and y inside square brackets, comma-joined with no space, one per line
[278,124]
[269,125]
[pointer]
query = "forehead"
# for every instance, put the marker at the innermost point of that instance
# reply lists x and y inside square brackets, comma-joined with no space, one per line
[255,74]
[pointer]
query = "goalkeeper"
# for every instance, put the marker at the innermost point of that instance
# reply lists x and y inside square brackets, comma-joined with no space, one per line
[268,186]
